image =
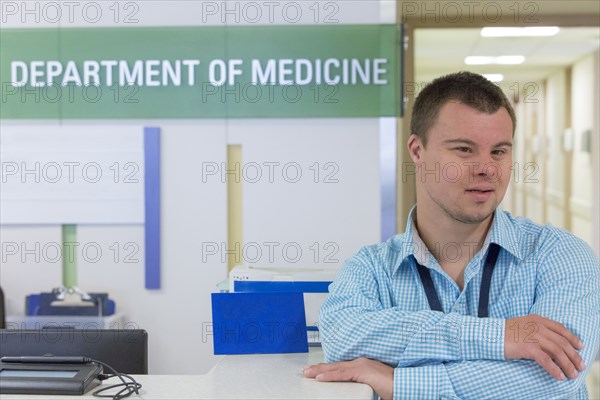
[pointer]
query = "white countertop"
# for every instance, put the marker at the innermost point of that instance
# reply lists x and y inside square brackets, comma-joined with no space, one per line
[255,376]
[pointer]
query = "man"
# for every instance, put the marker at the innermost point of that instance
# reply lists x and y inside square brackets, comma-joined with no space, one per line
[469,302]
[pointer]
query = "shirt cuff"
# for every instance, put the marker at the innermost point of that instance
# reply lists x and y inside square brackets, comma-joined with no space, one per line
[481,338]
[427,382]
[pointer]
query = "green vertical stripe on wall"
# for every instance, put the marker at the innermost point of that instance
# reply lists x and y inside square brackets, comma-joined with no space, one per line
[69,240]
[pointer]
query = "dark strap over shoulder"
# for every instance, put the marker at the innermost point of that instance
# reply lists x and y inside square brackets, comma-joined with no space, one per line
[486,281]
[432,297]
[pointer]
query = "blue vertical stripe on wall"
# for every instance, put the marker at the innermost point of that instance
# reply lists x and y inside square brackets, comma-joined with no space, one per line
[387,157]
[152,206]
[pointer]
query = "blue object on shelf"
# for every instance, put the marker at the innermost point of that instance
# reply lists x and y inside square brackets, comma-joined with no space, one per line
[313,337]
[41,304]
[259,323]
[282,286]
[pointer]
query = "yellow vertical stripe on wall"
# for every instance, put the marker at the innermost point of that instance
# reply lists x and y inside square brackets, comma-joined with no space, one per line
[234,205]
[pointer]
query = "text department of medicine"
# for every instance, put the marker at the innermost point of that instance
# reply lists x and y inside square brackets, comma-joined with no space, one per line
[300,71]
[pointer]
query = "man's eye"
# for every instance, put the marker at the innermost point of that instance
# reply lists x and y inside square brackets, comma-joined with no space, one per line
[463,149]
[499,152]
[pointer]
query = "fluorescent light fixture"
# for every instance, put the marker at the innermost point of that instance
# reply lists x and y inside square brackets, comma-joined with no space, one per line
[494,77]
[479,60]
[483,60]
[530,31]
[510,60]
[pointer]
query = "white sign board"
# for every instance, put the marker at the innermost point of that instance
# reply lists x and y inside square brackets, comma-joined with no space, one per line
[91,174]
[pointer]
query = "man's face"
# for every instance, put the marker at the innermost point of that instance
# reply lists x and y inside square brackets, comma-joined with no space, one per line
[464,170]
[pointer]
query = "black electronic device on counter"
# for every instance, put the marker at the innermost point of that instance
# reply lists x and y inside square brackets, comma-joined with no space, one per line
[126,350]
[63,377]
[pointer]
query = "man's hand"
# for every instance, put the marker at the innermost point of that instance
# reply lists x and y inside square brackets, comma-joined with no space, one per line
[546,342]
[362,370]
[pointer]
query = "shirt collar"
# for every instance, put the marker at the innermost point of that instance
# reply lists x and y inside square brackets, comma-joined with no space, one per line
[502,232]
[505,234]
[407,248]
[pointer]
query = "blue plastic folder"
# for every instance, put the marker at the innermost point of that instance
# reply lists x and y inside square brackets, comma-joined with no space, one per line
[279,286]
[259,323]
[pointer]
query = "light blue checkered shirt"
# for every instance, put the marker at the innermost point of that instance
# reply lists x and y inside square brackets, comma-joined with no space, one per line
[377,308]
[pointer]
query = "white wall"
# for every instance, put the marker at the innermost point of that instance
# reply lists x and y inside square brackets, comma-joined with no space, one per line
[596,165]
[532,169]
[584,84]
[558,180]
[192,212]
[563,189]
[333,205]
[517,202]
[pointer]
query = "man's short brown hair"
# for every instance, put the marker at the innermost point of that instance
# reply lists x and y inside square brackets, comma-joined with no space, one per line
[465,87]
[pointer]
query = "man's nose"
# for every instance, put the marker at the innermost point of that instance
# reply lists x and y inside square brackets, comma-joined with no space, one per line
[487,166]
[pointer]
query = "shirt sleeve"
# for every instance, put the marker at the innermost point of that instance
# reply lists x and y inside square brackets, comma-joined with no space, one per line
[353,323]
[568,292]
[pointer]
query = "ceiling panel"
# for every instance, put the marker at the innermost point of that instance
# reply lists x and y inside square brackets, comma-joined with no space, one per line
[441,51]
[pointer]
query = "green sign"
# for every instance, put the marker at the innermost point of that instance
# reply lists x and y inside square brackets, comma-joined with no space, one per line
[200,72]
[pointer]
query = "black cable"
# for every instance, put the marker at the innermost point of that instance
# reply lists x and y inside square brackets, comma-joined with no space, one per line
[127,387]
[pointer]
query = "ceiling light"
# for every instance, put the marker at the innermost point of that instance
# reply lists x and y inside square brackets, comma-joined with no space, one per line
[520,31]
[479,60]
[510,59]
[494,77]
[483,60]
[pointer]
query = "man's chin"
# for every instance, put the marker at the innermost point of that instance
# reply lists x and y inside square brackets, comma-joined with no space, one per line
[473,217]
[474,220]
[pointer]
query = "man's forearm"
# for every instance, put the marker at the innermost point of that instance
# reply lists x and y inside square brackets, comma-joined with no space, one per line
[409,338]
[515,379]
[506,379]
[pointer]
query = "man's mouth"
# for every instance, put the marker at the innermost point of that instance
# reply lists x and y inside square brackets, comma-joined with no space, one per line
[480,194]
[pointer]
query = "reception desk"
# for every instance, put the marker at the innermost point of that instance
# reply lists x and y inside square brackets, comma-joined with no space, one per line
[257,376]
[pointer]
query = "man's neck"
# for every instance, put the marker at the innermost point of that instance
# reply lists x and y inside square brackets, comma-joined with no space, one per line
[451,241]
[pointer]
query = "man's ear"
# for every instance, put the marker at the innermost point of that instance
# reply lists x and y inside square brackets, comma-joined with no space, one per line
[415,148]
